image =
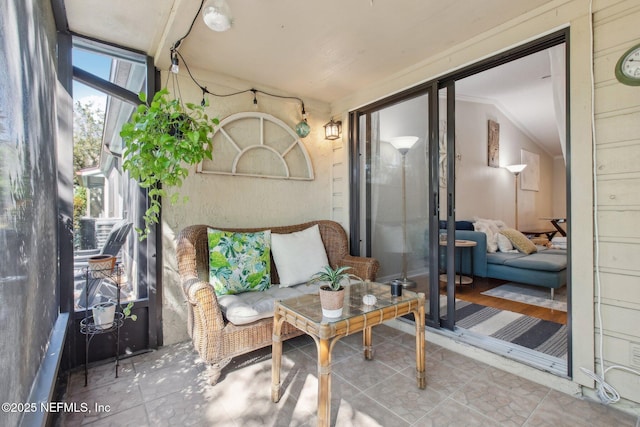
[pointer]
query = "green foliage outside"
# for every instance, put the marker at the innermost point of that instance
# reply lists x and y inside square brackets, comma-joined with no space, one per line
[88,124]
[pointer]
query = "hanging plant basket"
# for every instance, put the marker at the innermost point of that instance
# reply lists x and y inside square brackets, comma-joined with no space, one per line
[160,139]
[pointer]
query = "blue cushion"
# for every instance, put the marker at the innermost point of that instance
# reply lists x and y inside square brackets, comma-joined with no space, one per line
[503,257]
[539,261]
[464,225]
[460,225]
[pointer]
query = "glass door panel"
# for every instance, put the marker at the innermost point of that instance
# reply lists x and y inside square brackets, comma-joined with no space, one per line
[446,183]
[395,172]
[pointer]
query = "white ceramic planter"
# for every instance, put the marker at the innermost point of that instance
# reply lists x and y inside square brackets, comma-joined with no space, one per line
[332,302]
[103,314]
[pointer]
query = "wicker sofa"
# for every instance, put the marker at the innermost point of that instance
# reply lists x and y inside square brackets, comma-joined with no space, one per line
[215,338]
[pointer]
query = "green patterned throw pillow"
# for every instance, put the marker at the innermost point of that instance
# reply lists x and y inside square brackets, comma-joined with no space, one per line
[239,262]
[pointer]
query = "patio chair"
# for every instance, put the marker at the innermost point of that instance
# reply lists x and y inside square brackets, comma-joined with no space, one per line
[99,289]
[112,245]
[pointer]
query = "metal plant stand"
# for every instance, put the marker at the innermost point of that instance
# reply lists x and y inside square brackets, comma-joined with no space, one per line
[88,326]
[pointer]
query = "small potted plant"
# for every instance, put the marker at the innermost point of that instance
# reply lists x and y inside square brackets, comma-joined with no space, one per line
[103,314]
[159,140]
[332,292]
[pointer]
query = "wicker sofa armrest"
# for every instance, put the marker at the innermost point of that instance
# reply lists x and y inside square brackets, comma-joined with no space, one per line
[202,295]
[205,322]
[364,268]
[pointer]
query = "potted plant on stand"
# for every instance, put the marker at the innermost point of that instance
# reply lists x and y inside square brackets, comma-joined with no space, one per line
[159,140]
[104,314]
[332,292]
[101,266]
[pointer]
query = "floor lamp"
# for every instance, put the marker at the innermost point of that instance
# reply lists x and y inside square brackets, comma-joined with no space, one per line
[403,144]
[515,170]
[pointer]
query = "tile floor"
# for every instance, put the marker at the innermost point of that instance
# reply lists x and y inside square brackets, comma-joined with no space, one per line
[168,388]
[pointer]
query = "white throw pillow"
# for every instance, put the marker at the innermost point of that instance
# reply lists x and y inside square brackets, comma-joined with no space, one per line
[299,255]
[488,229]
[504,244]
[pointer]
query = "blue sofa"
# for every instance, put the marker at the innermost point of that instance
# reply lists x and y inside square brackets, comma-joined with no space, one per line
[546,268]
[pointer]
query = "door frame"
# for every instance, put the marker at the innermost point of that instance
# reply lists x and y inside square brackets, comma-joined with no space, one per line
[447,81]
[146,332]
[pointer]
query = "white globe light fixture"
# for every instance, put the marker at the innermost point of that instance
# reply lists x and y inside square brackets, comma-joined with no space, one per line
[217,15]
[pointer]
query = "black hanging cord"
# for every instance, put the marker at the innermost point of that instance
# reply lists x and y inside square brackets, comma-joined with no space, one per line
[177,44]
[206,91]
[173,51]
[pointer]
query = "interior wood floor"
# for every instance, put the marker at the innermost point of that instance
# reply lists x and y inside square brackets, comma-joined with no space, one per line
[474,295]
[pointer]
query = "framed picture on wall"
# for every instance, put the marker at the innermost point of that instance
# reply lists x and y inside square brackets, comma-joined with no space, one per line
[530,177]
[494,144]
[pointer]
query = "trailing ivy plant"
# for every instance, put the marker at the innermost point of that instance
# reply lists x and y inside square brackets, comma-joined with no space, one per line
[160,139]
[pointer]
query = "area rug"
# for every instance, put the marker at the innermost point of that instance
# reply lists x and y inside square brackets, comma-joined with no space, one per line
[536,334]
[532,295]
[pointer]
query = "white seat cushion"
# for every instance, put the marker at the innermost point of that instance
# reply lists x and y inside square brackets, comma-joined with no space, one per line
[248,307]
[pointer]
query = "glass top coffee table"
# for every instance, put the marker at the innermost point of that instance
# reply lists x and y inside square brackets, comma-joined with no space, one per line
[305,313]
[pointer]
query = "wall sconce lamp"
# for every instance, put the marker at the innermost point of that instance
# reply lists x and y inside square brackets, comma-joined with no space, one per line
[217,15]
[332,130]
[515,170]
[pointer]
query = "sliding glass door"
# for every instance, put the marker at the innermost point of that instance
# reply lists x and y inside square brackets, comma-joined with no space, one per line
[394,171]
[429,158]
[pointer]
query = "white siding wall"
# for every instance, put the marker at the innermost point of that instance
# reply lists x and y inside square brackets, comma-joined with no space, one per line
[617,113]
[340,179]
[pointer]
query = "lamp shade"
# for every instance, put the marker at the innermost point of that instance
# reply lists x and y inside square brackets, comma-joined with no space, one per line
[332,130]
[403,143]
[217,15]
[515,169]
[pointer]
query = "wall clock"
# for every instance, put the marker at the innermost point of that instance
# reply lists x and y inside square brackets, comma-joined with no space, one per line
[628,67]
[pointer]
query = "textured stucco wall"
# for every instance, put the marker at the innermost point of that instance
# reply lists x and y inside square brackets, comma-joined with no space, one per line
[229,201]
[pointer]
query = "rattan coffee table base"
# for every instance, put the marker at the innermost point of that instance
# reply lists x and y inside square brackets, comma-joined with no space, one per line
[301,313]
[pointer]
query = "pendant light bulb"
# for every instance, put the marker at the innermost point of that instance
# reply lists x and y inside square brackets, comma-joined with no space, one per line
[175,68]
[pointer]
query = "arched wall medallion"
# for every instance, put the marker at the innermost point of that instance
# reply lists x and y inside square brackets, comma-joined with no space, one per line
[258,145]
